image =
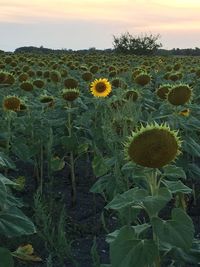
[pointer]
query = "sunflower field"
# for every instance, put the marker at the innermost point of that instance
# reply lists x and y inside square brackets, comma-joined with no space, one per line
[100,160]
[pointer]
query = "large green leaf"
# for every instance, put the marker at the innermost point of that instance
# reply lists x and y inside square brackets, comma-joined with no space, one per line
[127,251]
[173,171]
[130,197]
[5,162]
[177,187]
[191,146]
[128,215]
[194,171]
[154,204]
[6,259]
[99,166]
[177,232]
[22,151]
[13,201]
[100,185]
[181,256]
[6,181]
[3,193]
[13,222]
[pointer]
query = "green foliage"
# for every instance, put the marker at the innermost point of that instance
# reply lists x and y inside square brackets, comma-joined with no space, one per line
[52,229]
[13,222]
[6,258]
[128,250]
[138,45]
[84,139]
[177,232]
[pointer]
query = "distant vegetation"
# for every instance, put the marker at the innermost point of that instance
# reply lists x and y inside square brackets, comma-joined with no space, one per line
[126,43]
[160,52]
[138,45]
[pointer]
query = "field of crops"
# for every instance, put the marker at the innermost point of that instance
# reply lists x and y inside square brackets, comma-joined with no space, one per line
[100,160]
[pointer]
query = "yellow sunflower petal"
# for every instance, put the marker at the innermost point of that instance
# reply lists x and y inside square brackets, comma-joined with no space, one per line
[100,87]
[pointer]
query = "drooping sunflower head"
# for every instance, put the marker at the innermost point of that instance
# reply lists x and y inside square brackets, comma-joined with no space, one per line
[118,82]
[143,79]
[136,72]
[163,90]
[100,87]
[31,73]
[27,86]
[87,76]
[46,99]
[70,83]
[175,76]
[6,78]
[39,83]
[3,76]
[23,77]
[131,94]
[10,79]
[55,76]
[46,74]
[179,94]
[153,146]
[64,73]
[94,69]
[70,94]
[11,103]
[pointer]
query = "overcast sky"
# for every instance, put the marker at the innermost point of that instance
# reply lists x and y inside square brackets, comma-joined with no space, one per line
[79,24]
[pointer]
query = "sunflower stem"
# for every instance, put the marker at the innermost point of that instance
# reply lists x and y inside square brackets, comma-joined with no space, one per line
[154,185]
[8,133]
[72,162]
[8,137]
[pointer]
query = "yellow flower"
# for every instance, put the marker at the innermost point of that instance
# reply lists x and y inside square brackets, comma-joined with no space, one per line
[185,112]
[100,87]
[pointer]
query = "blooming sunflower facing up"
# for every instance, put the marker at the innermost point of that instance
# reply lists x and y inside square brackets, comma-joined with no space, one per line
[100,87]
[153,146]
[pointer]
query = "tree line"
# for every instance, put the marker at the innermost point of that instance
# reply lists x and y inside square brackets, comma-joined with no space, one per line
[126,43]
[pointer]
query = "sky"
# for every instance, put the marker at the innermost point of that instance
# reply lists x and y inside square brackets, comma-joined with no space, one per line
[80,24]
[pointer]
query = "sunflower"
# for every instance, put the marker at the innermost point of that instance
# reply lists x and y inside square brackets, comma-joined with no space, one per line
[100,87]
[153,146]
[26,86]
[70,83]
[70,94]
[179,94]
[3,76]
[163,90]
[143,79]
[131,94]
[11,103]
[46,99]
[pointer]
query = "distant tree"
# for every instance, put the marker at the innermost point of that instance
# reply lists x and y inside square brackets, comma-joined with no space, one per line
[139,45]
[92,49]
